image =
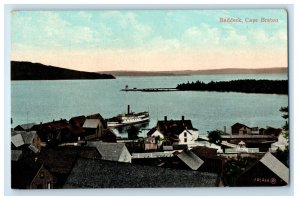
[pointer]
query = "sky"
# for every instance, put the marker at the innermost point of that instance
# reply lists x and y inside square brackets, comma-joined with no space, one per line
[150,40]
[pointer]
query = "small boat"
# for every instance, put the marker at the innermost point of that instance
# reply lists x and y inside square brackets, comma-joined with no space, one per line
[129,118]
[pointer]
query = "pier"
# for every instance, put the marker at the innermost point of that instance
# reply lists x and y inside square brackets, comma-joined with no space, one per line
[149,90]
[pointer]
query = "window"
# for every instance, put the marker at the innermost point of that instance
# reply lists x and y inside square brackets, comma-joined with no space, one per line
[185,134]
[185,139]
[42,174]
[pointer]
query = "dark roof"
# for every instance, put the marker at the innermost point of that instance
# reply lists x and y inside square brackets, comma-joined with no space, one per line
[16,155]
[190,159]
[172,128]
[272,131]
[78,120]
[88,173]
[204,152]
[60,124]
[238,126]
[152,130]
[24,127]
[59,160]
[109,151]
[22,173]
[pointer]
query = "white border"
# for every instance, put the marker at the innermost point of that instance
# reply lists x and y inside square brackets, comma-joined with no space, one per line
[278,191]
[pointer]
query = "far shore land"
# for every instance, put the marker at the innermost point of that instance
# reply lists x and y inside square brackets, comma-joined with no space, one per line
[275,70]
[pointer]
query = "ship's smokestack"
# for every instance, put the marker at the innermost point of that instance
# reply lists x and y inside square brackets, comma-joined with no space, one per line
[182,118]
[166,118]
[128,109]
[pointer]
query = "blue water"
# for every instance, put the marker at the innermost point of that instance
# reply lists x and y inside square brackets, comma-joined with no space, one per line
[42,101]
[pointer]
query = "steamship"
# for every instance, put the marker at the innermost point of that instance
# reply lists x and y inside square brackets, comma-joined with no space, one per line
[128,118]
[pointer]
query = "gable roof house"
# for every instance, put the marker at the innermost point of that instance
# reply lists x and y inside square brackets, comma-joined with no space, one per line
[268,171]
[240,129]
[26,174]
[176,131]
[60,160]
[89,173]
[54,132]
[93,129]
[112,151]
[26,139]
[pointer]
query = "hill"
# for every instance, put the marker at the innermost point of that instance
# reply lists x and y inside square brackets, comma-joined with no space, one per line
[37,71]
[277,70]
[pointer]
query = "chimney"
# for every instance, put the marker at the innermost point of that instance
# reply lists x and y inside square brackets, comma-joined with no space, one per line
[182,118]
[128,109]
[166,119]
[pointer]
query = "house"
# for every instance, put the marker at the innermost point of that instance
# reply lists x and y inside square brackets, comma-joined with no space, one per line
[54,132]
[190,159]
[109,136]
[268,171]
[111,151]
[93,129]
[240,129]
[77,121]
[24,127]
[151,144]
[88,173]
[26,139]
[254,130]
[60,160]
[27,174]
[272,131]
[175,131]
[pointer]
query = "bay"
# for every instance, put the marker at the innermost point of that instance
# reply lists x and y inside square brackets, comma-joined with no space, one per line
[43,101]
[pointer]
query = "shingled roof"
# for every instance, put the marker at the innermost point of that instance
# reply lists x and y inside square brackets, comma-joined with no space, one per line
[17,140]
[190,159]
[276,166]
[24,127]
[88,173]
[91,123]
[238,126]
[109,151]
[203,151]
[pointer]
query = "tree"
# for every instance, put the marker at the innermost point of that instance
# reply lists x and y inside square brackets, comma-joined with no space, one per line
[133,133]
[214,136]
[285,111]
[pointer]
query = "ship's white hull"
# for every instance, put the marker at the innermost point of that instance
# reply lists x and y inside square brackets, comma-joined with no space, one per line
[126,122]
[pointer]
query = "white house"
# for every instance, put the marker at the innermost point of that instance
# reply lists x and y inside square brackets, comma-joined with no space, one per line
[175,131]
[188,136]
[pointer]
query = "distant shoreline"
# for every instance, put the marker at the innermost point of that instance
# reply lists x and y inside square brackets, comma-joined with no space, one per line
[275,70]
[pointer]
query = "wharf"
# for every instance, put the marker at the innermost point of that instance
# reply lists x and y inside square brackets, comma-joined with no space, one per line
[150,90]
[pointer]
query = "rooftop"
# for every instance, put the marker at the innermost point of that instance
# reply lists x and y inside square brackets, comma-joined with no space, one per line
[276,166]
[91,123]
[89,173]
